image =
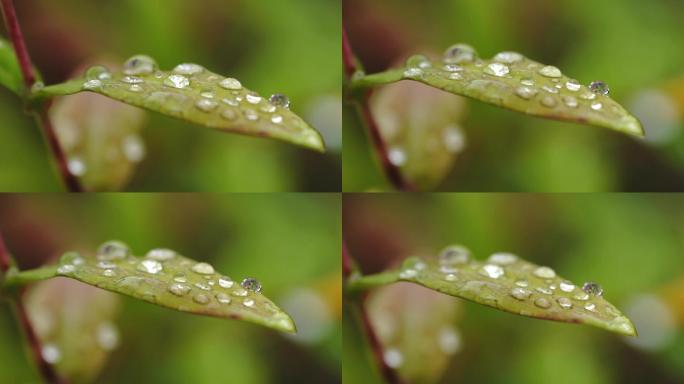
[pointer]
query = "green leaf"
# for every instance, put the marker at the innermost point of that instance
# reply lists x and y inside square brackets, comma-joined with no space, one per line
[10,73]
[420,127]
[192,93]
[168,279]
[512,81]
[510,284]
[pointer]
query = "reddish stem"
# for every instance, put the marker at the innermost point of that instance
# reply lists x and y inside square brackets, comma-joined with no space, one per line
[391,171]
[12,22]
[5,261]
[347,263]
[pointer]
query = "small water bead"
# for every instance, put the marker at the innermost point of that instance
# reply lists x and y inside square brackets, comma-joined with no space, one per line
[564,302]
[112,250]
[108,273]
[250,114]
[454,255]
[177,81]
[251,284]
[230,83]
[581,296]
[135,88]
[92,84]
[279,100]
[139,64]
[567,286]
[573,85]
[448,269]
[132,80]
[419,61]
[253,98]
[542,302]
[268,107]
[550,71]
[276,119]
[459,53]
[76,166]
[396,156]
[502,258]
[543,290]
[51,353]
[455,76]
[522,283]
[160,254]
[207,94]
[180,277]
[393,357]
[596,106]
[106,265]
[231,102]
[201,298]
[226,282]
[223,298]
[450,277]
[408,273]
[203,286]
[179,289]
[229,114]
[497,69]
[203,268]
[592,288]
[188,69]
[591,307]
[520,293]
[413,72]
[544,273]
[526,92]
[599,88]
[492,270]
[150,266]
[206,105]
[66,268]
[548,89]
[248,302]
[549,101]
[528,82]
[588,95]
[239,292]
[508,57]
[570,101]
[452,68]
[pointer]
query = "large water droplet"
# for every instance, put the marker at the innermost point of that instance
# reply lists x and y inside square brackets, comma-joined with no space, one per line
[492,270]
[550,71]
[251,284]
[203,268]
[454,255]
[92,84]
[98,72]
[248,302]
[279,100]
[544,273]
[591,307]
[418,61]
[502,258]
[206,105]
[276,119]
[188,69]
[230,83]
[549,101]
[139,64]
[179,289]
[253,98]
[520,293]
[150,266]
[599,88]
[413,72]
[508,57]
[573,85]
[112,250]
[201,298]
[542,302]
[596,106]
[459,53]
[592,288]
[567,286]
[564,302]
[177,81]
[497,69]
[525,92]
[226,282]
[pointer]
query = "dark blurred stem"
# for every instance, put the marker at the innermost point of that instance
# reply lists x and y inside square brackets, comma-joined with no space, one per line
[351,67]
[5,261]
[12,22]
[359,304]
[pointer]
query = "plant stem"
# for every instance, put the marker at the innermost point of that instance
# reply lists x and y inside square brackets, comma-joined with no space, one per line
[22,278]
[364,283]
[14,31]
[392,172]
[5,260]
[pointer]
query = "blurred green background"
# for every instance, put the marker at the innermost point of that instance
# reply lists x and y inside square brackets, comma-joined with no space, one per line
[290,243]
[632,244]
[291,47]
[635,46]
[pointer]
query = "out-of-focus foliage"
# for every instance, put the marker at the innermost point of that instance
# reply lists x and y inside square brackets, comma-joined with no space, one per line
[630,244]
[289,47]
[10,76]
[289,243]
[506,151]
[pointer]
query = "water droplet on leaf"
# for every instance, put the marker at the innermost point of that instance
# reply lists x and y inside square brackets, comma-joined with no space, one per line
[567,286]
[206,105]
[544,273]
[599,88]
[188,69]
[492,270]
[139,64]
[279,100]
[112,250]
[502,258]
[508,57]
[564,302]
[550,71]
[203,268]
[520,293]
[542,302]
[592,288]
[454,255]
[201,298]
[230,83]
[459,53]
[150,266]
[497,69]
[177,81]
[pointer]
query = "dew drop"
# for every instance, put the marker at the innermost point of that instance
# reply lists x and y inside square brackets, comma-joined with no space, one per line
[203,268]
[522,283]
[452,68]
[459,53]
[270,108]
[223,298]
[207,94]
[230,83]
[112,250]
[450,277]
[508,57]
[570,101]
[543,290]
[179,289]
[139,64]
[454,255]
[251,114]
[592,288]
[188,69]
[135,88]
[581,296]
[564,302]
[591,307]
[279,100]
[248,302]
[253,98]
[239,292]
[413,72]
[51,353]
[544,273]
[573,85]
[549,101]
[108,273]
[276,119]
[106,265]
[66,268]
[408,273]
[550,71]
[528,82]
[492,270]
[226,282]
[567,286]
[418,61]
[76,166]
[596,106]
[525,92]
[132,80]
[455,76]
[92,84]
[588,95]
[599,88]
[542,302]
[396,156]
[201,298]
[502,258]
[206,105]
[229,114]
[251,284]
[177,81]
[150,266]
[497,69]
[520,293]
[180,277]
[550,89]
[231,102]
[203,286]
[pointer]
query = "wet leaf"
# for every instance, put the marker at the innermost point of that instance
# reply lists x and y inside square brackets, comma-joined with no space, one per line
[10,74]
[416,327]
[512,81]
[420,126]
[75,325]
[170,280]
[510,284]
[101,138]
[192,93]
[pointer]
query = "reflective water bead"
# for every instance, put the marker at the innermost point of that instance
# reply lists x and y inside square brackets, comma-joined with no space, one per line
[150,266]
[508,57]
[455,76]
[248,302]
[230,83]
[564,302]
[113,250]
[108,273]
[543,290]
[276,119]
[231,102]
[570,101]
[268,107]
[201,298]
[51,353]
[454,255]
[592,288]
[207,94]
[596,106]
[279,100]
[452,68]
[502,258]
[573,85]
[66,268]
[450,277]
[544,273]
[522,283]
[251,114]
[239,292]
[591,307]
[180,277]
[550,71]
[418,61]
[599,88]
[528,82]
[76,166]
[132,80]
[161,254]
[253,98]
[203,268]
[106,265]
[408,273]
[177,81]
[567,286]
[497,69]
[588,95]
[139,64]
[188,69]
[549,101]
[135,88]
[548,89]
[525,92]
[92,84]
[251,284]
[179,289]
[542,302]
[581,296]
[229,114]
[206,105]
[396,156]
[459,53]
[491,270]
[413,72]
[203,286]
[226,282]
[520,293]
[223,298]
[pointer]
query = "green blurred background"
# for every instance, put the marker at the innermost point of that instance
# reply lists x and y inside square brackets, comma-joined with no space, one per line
[291,47]
[635,46]
[632,244]
[290,243]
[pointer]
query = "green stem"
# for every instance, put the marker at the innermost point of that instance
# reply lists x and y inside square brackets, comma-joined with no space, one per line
[16,278]
[62,89]
[362,82]
[367,282]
